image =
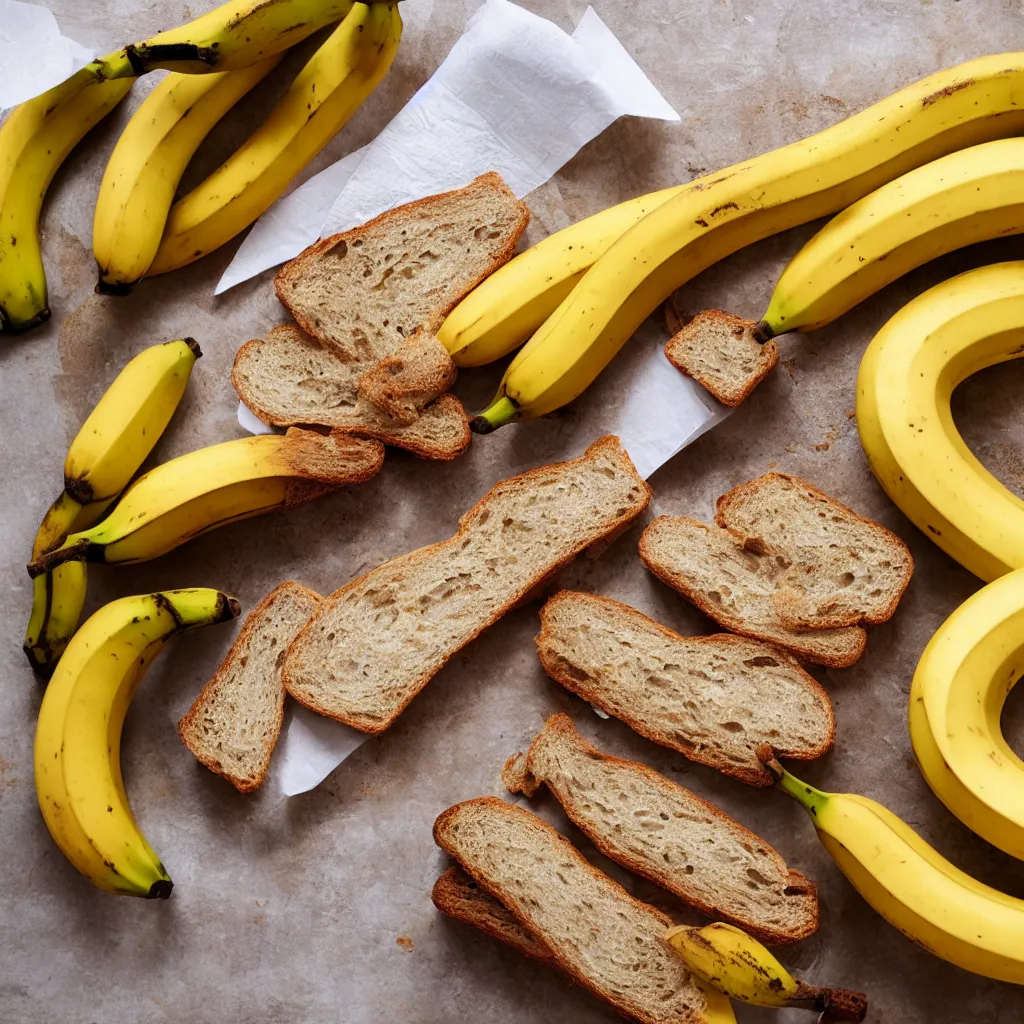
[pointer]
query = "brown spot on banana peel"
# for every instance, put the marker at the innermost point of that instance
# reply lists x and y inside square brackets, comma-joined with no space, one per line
[950,90]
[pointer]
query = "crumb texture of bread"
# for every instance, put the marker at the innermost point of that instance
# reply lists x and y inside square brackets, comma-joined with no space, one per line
[363,291]
[601,936]
[403,384]
[840,568]
[715,699]
[719,351]
[335,459]
[234,723]
[664,832]
[376,642]
[737,588]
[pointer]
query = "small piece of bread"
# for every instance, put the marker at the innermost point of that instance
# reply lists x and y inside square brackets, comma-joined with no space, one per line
[602,937]
[715,699]
[660,830]
[403,384]
[363,291]
[736,588]
[720,352]
[843,569]
[376,642]
[290,378]
[234,724]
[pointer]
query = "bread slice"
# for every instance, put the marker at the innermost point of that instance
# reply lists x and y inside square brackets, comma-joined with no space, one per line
[715,699]
[842,569]
[602,937]
[664,832]
[234,724]
[376,642]
[290,378]
[737,589]
[403,384]
[363,291]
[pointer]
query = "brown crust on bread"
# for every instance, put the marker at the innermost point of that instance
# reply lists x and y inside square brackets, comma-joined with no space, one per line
[324,458]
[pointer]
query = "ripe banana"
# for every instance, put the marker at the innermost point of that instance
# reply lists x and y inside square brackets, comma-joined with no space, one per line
[234,35]
[707,220]
[225,483]
[108,450]
[78,736]
[326,93]
[735,963]
[906,378]
[912,886]
[35,140]
[148,161]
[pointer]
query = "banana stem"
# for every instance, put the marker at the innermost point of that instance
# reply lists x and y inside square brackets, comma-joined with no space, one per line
[501,411]
[56,524]
[762,332]
[79,551]
[808,796]
[834,1004]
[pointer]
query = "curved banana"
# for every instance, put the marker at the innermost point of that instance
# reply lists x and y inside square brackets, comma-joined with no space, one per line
[735,963]
[906,378]
[106,453]
[35,140]
[912,886]
[148,161]
[326,93]
[234,35]
[78,735]
[707,220]
[225,483]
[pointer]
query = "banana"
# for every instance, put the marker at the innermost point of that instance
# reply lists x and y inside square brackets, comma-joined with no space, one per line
[906,379]
[148,161]
[78,736]
[225,483]
[234,35]
[326,93]
[735,963]
[709,219]
[106,453]
[35,140]
[912,886]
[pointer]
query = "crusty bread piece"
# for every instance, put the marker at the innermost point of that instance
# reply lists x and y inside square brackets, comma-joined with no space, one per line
[606,940]
[289,378]
[736,588]
[403,384]
[376,642]
[233,726]
[715,698]
[362,291]
[842,569]
[320,463]
[720,352]
[664,832]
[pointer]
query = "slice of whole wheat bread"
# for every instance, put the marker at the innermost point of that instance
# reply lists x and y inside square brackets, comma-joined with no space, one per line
[737,588]
[842,569]
[376,642]
[290,378]
[401,385]
[664,832]
[715,699]
[362,291]
[602,937]
[233,725]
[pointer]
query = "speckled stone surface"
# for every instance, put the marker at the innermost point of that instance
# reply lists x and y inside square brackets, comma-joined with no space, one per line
[316,909]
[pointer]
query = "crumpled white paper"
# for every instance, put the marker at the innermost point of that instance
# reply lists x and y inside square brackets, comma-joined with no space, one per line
[34,56]
[515,95]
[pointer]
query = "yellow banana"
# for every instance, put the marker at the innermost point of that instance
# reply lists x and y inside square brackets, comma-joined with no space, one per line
[35,140]
[912,886]
[707,220]
[78,736]
[234,35]
[148,161]
[733,962]
[906,379]
[326,93]
[225,483]
[108,450]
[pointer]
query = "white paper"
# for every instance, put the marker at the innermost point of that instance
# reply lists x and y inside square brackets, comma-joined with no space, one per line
[311,748]
[34,56]
[515,95]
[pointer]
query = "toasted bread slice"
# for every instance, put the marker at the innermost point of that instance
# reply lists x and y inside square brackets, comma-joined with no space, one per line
[715,699]
[233,726]
[403,384]
[664,832]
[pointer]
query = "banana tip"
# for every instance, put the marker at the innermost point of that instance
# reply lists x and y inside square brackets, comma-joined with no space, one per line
[762,332]
[113,287]
[479,425]
[194,345]
[9,326]
[160,890]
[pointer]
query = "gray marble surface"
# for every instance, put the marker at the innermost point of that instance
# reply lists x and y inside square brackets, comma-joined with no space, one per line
[316,909]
